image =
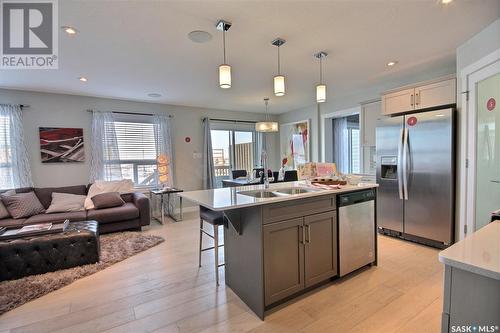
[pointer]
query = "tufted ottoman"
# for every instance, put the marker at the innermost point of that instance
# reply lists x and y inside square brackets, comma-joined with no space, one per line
[78,245]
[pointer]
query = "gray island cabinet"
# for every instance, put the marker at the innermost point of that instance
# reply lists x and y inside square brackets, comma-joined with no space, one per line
[278,248]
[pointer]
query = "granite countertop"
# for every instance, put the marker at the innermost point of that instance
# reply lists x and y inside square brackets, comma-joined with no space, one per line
[229,198]
[478,253]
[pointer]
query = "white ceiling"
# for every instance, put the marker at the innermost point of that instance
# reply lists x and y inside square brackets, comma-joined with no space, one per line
[128,49]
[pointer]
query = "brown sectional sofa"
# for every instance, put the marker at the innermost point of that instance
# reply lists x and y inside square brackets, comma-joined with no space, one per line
[134,214]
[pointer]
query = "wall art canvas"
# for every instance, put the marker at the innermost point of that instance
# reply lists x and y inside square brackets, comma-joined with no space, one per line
[59,145]
[294,142]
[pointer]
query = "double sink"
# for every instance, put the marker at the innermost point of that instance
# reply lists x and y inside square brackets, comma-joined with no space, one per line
[277,193]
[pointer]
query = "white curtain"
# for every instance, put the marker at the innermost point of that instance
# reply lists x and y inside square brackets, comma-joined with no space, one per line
[15,170]
[163,143]
[104,148]
[341,144]
[208,162]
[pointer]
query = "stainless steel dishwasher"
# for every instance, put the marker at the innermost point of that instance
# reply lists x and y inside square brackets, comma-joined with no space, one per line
[356,230]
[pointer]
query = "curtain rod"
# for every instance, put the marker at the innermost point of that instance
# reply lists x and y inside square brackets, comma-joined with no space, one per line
[134,113]
[233,121]
[22,106]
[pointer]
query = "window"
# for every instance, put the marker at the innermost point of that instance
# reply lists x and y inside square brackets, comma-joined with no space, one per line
[354,150]
[136,148]
[346,144]
[232,149]
[6,179]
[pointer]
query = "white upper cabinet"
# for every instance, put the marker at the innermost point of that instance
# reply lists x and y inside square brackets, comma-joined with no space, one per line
[420,97]
[435,94]
[398,101]
[371,113]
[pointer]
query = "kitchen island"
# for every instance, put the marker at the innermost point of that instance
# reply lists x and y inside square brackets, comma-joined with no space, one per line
[283,241]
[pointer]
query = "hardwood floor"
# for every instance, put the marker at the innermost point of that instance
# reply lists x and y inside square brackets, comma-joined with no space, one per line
[162,290]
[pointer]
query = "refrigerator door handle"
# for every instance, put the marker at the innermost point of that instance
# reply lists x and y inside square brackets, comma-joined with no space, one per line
[400,165]
[406,152]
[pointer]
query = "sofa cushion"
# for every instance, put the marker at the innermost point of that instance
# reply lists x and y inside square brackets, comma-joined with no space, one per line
[101,186]
[10,222]
[66,202]
[4,213]
[22,204]
[44,194]
[107,200]
[56,217]
[126,212]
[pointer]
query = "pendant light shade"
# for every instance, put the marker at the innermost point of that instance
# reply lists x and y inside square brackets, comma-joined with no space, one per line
[224,69]
[225,76]
[279,80]
[321,87]
[321,93]
[267,126]
[279,85]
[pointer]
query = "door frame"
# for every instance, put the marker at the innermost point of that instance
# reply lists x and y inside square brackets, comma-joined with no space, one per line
[470,75]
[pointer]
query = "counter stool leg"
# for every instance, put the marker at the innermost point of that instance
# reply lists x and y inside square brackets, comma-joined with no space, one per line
[201,238]
[216,249]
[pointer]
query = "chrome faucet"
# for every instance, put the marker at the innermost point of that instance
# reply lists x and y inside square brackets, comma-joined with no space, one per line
[263,158]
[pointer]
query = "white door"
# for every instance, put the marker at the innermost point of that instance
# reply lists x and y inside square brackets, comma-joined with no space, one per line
[484,144]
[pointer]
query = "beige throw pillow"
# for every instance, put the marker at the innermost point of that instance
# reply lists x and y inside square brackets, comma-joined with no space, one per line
[101,186]
[4,213]
[66,202]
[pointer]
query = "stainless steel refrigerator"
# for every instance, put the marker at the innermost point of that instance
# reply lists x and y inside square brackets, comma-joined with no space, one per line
[416,176]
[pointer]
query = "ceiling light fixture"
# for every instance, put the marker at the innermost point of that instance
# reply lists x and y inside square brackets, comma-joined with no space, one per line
[321,87]
[69,30]
[267,126]
[83,79]
[224,69]
[279,80]
[445,2]
[154,95]
[392,63]
[199,36]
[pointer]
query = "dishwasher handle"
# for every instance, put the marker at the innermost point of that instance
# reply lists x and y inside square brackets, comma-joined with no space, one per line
[355,197]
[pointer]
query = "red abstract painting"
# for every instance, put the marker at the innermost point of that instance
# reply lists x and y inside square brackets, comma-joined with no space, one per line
[61,144]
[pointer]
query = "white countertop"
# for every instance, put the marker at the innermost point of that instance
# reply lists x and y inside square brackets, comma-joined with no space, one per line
[229,198]
[478,253]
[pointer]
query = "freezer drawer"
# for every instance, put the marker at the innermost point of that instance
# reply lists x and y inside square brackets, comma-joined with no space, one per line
[356,234]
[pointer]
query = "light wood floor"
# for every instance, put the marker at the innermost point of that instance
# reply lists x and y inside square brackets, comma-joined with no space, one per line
[162,290]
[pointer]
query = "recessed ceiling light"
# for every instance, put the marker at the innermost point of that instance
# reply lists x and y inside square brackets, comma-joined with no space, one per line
[69,30]
[154,95]
[445,2]
[440,115]
[83,79]
[199,36]
[392,63]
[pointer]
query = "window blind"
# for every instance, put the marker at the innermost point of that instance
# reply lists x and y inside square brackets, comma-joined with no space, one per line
[135,141]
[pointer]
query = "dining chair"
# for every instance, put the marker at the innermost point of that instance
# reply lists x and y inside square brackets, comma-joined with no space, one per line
[238,173]
[290,176]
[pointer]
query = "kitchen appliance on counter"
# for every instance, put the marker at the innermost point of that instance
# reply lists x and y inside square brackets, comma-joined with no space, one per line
[416,176]
[356,230]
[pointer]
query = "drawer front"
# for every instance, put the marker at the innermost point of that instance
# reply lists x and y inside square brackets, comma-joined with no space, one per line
[297,208]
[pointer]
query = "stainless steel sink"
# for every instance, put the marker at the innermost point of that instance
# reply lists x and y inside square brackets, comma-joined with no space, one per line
[295,190]
[259,193]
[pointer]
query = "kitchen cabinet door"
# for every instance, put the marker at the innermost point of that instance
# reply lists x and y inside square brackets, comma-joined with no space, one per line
[436,94]
[283,259]
[320,248]
[398,102]
[371,114]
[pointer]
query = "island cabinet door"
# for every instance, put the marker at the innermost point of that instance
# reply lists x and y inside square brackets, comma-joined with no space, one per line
[283,259]
[320,249]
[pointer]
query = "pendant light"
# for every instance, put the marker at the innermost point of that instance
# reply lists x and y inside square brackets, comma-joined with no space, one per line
[267,126]
[279,80]
[224,69]
[321,87]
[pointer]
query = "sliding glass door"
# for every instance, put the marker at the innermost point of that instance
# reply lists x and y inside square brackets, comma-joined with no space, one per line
[232,150]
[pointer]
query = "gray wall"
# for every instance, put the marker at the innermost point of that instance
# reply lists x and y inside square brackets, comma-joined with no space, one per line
[60,110]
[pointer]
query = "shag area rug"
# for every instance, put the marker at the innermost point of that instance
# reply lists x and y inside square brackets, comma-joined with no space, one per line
[114,248]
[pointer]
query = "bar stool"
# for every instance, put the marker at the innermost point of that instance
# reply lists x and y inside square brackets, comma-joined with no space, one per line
[216,219]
